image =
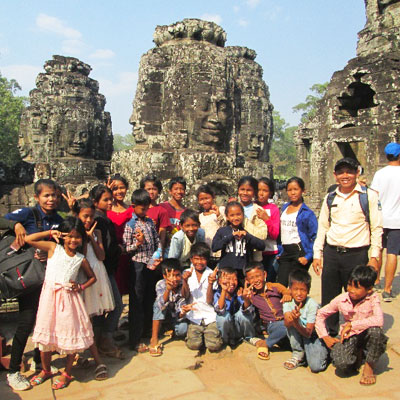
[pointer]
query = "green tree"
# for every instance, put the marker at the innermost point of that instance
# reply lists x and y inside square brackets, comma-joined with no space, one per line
[308,109]
[122,142]
[11,107]
[283,149]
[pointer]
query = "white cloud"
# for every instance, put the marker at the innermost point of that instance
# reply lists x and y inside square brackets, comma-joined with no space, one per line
[51,24]
[236,9]
[243,22]
[24,74]
[102,54]
[73,47]
[125,84]
[252,3]
[212,18]
[273,13]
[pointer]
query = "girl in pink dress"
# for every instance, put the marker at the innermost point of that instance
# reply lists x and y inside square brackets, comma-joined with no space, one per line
[120,214]
[62,322]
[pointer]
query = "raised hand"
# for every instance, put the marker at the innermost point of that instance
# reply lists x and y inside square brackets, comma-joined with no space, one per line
[213,276]
[296,312]
[168,280]
[91,230]
[247,291]
[69,199]
[239,234]
[110,184]
[139,235]
[187,274]
[262,214]
[56,235]
[215,209]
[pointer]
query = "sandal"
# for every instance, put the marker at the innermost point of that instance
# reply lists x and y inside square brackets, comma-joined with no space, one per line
[38,380]
[115,353]
[156,351]
[59,384]
[263,353]
[101,372]
[142,348]
[293,363]
[82,362]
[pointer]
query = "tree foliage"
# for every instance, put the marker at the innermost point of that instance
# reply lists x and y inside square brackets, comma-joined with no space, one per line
[11,107]
[122,142]
[308,109]
[283,150]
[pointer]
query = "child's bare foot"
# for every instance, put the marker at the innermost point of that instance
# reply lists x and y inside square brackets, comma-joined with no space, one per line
[368,377]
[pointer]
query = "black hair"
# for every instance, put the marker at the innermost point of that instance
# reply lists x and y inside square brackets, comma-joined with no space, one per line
[177,179]
[205,189]
[301,276]
[298,180]
[69,224]
[140,197]
[38,186]
[118,177]
[151,178]
[392,157]
[189,214]
[250,180]
[269,183]
[228,270]
[363,275]
[170,264]
[200,249]
[81,204]
[233,204]
[97,191]
[253,265]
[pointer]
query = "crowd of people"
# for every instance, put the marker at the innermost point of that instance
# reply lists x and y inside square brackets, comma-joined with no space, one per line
[213,277]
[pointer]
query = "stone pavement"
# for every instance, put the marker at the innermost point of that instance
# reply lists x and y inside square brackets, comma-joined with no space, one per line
[183,374]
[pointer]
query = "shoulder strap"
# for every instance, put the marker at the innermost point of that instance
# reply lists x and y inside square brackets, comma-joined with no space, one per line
[329,201]
[364,203]
[38,219]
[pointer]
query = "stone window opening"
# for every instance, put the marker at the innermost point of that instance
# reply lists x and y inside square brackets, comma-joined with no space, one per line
[358,96]
[347,151]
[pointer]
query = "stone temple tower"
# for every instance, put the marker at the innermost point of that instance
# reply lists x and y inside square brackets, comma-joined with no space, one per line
[201,110]
[360,112]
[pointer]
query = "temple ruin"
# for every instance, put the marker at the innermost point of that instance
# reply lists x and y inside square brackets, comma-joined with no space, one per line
[360,112]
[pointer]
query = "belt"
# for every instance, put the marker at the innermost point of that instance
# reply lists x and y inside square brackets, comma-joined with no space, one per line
[294,246]
[341,249]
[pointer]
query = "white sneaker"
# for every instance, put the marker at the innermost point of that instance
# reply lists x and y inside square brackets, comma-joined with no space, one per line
[38,367]
[17,381]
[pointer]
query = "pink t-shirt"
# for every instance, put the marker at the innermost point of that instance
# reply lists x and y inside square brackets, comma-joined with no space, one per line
[273,225]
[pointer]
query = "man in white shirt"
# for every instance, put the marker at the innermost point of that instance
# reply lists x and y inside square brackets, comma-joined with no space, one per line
[387,183]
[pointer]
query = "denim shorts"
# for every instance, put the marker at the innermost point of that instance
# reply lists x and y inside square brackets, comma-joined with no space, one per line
[391,241]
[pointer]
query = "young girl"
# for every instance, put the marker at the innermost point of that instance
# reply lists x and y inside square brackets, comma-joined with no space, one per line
[62,323]
[120,214]
[183,240]
[247,192]
[270,215]
[298,231]
[211,218]
[102,199]
[236,243]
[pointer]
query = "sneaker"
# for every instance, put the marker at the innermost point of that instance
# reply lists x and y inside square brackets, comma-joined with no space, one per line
[378,287]
[17,381]
[387,297]
[37,367]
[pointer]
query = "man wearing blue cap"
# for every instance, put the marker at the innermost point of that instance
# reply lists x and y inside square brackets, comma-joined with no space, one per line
[386,183]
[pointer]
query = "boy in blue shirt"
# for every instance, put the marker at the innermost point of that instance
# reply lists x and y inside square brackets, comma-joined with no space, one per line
[299,316]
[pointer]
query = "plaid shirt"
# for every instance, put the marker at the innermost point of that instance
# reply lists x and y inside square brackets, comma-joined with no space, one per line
[143,252]
[175,299]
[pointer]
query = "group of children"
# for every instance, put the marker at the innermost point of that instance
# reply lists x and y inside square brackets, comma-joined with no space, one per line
[215,277]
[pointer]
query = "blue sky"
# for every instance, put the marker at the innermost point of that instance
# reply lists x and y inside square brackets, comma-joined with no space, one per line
[298,42]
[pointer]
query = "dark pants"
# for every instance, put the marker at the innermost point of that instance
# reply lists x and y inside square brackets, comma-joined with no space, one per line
[141,298]
[335,276]
[269,261]
[28,306]
[288,262]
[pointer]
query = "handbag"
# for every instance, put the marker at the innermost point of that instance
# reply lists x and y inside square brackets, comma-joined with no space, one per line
[20,272]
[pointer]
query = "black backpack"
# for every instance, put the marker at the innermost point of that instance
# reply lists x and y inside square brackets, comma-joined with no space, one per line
[20,272]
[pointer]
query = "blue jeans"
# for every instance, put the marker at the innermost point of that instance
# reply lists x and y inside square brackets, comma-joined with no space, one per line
[234,327]
[276,332]
[312,348]
[180,326]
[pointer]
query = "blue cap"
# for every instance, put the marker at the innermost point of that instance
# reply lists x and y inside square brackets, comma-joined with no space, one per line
[392,149]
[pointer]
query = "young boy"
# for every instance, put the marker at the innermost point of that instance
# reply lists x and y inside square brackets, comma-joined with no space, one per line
[299,317]
[174,206]
[202,327]
[267,298]
[362,330]
[234,320]
[141,241]
[158,214]
[169,304]
[44,214]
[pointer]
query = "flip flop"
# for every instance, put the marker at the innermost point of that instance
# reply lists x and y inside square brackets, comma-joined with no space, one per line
[101,372]
[263,353]
[142,348]
[58,384]
[38,380]
[156,351]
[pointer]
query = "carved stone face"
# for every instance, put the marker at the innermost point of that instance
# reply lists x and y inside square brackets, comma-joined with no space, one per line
[78,142]
[77,131]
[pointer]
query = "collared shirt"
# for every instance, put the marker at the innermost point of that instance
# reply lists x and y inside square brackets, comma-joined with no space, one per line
[269,303]
[198,296]
[363,315]
[27,219]
[141,253]
[348,227]
[175,299]
[232,305]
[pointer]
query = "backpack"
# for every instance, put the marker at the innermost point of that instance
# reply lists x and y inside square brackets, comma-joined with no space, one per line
[363,198]
[20,272]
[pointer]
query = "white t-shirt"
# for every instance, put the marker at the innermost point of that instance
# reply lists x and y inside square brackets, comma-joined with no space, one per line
[289,231]
[387,183]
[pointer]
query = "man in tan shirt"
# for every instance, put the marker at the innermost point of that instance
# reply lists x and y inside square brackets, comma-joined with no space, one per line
[346,231]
